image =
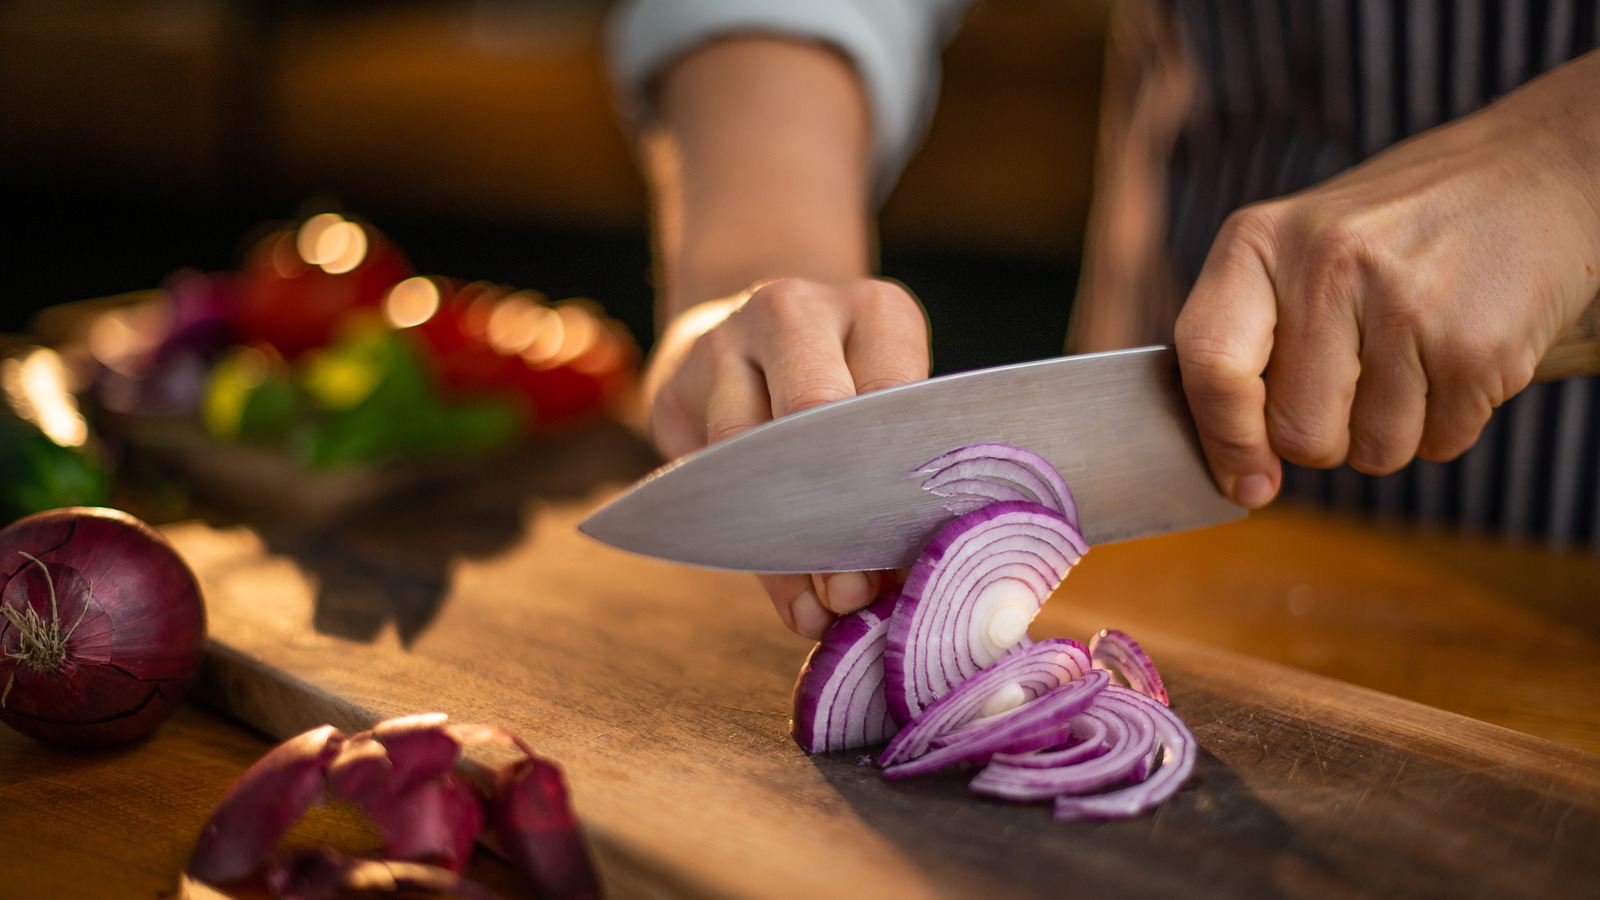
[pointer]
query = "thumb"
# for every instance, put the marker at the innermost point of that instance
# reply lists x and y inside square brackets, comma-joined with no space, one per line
[1224,341]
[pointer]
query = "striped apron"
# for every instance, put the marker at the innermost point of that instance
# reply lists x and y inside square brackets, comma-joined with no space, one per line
[1213,104]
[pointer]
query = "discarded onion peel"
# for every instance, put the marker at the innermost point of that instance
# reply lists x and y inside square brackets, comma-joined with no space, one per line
[404,774]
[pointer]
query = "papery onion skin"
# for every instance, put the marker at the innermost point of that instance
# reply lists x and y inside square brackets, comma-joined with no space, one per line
[534,826]
[838,697]
[262,805]
[135,616]
[400,774]
[403,773]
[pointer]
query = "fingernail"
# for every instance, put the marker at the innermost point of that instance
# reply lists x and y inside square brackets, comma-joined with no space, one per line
[1253,491]
[810,619]
[847,591]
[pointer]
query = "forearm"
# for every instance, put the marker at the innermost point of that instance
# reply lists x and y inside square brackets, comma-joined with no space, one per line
[759,169]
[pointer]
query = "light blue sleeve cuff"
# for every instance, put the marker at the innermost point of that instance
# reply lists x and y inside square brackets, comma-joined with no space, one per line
[894,45]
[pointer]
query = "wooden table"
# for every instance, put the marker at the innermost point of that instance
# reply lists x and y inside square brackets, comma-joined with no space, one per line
[1505,634]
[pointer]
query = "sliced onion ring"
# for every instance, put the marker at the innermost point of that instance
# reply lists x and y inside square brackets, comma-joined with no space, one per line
[979,474]
[981,739]
[1114,650]
[1051,776]
[1179,749]
[1028,674]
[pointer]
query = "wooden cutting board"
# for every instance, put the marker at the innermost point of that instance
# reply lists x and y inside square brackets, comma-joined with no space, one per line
[664,693]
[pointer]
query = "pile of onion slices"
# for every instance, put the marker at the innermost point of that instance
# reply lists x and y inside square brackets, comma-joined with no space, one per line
[944,671]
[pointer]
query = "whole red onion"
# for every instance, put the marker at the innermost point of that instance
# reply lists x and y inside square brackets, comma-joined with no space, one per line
[101,627]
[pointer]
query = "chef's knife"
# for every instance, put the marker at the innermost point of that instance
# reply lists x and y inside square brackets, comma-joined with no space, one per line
[834,488]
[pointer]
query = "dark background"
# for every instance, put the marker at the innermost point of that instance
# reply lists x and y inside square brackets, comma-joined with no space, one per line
[141,136]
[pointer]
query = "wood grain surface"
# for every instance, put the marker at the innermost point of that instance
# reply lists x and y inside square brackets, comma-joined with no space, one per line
[664,692]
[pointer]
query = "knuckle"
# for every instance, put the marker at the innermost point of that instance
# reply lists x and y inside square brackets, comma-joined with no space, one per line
[807,393]
[1340,258]
[1372,455]
[1250,228]
[783,300]
[1211,365]
[1304,440]
[888,300]
[723,427]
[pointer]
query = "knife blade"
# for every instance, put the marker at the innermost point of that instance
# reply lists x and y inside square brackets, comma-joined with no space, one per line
[834,488]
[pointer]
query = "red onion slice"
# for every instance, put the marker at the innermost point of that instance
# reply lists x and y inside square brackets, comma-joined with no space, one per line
[838,697]
[1179,749]
[981,739]
[976,475]
[1128,663]
[1091,733]
[1051,777]
[1009,683]
[970,597]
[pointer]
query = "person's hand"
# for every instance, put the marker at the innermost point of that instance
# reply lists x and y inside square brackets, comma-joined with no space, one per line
[1385,313]
[725,366]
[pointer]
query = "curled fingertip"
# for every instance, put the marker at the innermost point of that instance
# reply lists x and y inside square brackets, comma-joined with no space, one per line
[1254,491]
[846,592]
[808,618]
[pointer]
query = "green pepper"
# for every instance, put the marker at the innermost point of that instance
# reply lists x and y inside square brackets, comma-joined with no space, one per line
[37,474]
[249,397]
[374,402]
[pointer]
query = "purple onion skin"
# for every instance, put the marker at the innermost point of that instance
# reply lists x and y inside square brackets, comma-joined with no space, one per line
[261,807]
[400,774]
[535,828]
[135,615]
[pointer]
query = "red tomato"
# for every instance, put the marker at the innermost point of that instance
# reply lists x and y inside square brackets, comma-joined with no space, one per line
[295,304]
[455,346]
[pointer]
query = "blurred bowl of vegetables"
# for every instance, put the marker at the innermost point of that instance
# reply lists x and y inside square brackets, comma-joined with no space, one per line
[325,372]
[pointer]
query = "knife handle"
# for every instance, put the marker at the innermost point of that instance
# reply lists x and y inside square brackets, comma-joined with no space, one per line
[1576,352]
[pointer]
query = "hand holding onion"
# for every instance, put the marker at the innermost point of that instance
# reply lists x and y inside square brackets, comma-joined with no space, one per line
[102,627]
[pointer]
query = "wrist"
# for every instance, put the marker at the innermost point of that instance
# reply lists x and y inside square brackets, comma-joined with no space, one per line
[1556,116]
[760,161]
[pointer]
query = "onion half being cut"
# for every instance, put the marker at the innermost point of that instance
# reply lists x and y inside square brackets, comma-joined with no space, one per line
[970,597]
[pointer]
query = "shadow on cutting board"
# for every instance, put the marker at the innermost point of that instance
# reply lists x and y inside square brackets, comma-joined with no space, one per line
[390,560]
[1208,841]
[1282,803]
